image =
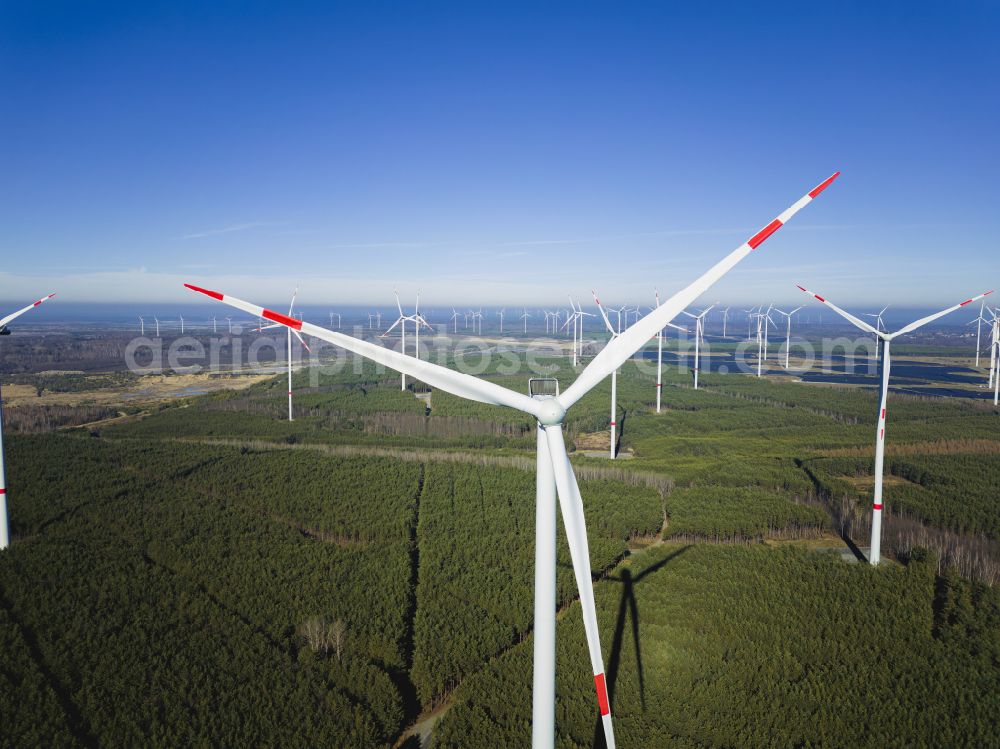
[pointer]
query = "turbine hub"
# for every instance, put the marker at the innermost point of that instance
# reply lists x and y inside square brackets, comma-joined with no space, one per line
[551,412]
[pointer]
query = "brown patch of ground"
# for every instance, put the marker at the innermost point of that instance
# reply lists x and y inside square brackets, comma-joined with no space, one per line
[147,389]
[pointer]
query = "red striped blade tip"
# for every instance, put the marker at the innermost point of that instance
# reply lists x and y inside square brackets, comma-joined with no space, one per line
[290,322]
[602,694]
[757,239]
[206,292]
[823,185]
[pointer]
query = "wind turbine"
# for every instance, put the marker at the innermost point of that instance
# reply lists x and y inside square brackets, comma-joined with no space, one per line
[879,325]
[403,318]
[887,338]
[979,324]
[454,320]
[725,318]
[575,316]
[994,347]
[290,331]
[337,315]
[554,472]
[230,321]
[4,528]
[768,321]
[142,326]
[788,330]
[763,319]
[157,326]
[500,314]
[525,317]
[699,335]
[215,326]
[751,313]
[182,324]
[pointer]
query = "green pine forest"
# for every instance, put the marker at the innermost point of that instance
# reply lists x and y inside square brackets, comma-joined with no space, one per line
[207,573]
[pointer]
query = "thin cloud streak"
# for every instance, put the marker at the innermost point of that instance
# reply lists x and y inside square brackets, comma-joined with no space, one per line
[228,229]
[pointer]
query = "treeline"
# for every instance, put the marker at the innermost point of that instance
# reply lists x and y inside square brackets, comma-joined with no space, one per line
[36,419]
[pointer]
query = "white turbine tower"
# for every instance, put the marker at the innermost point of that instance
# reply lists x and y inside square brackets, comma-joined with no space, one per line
[454,320]
[4,528]
[142,326]
[524,318]
[182,324]
[995,357]
[215,326]
[333,315]
[751,314]
[788,330]
[699,335]
[230,321]
[887,338]
[554,475]
[725,319]
[157,320]
[500,314]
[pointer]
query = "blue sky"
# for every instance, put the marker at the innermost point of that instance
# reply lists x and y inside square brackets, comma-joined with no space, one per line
[503,153]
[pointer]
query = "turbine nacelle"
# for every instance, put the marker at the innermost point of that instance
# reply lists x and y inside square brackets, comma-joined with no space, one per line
[550,412]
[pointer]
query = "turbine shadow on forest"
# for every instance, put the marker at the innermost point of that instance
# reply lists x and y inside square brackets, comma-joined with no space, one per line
[628,607]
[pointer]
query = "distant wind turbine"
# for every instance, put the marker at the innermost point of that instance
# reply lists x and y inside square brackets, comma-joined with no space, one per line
[699,335]
[788,330]
[887,338]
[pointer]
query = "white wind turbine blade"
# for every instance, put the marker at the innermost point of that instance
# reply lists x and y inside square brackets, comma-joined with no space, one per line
[604,314]
[292,305]
[398,305]
[571,504]
[456,383]
[302,341]
[389,330]
[631,340]
[20,312]
[846,315]
[931,318]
